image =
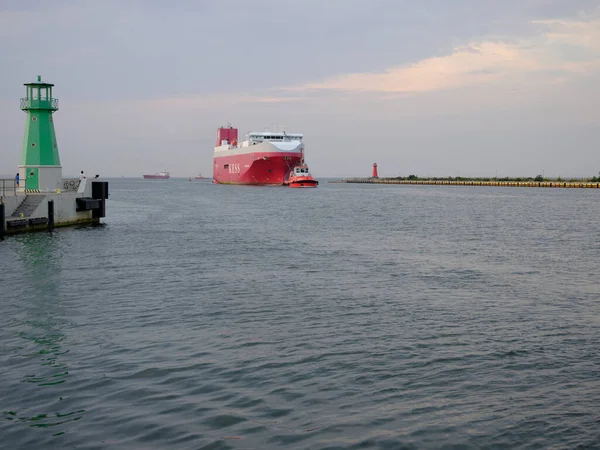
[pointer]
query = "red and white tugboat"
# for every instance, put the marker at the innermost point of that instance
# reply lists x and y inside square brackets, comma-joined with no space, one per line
[300,177]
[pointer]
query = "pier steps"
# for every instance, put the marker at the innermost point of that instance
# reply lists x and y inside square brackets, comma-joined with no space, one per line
[28,206]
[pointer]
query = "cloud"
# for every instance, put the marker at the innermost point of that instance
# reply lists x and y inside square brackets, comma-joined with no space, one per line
[492,73]
[555,52]
[582,33]
[208,102]
[560,49]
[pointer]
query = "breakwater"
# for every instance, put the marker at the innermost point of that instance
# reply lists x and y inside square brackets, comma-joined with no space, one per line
[538,184]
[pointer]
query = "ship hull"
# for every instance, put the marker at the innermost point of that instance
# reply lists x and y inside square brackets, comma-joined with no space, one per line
[308,183]
[156,177]
[261,165]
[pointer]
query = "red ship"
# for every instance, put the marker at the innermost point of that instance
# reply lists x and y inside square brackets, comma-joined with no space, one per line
[262,158]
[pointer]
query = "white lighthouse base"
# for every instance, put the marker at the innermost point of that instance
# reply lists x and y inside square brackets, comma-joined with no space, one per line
[49,178]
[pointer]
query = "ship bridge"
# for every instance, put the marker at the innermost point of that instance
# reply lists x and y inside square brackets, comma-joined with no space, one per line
[274,136]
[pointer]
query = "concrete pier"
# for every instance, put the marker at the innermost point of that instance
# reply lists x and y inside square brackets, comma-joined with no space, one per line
[76,205]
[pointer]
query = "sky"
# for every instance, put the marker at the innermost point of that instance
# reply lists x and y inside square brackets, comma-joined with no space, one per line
[429,87]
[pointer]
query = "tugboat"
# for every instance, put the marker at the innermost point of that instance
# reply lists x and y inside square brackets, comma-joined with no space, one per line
[200,177]
[300,177]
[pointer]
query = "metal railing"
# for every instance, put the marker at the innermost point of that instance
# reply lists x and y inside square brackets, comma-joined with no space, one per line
[8,187]
[29,103]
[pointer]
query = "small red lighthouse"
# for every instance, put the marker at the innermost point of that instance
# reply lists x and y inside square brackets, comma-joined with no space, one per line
[374,171]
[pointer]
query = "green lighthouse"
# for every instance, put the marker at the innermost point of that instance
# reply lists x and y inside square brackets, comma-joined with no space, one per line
[40,167]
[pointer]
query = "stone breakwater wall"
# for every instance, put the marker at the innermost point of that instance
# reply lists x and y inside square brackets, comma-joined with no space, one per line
[539,184]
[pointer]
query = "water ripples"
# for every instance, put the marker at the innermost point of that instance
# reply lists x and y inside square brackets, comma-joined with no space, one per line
[347,317]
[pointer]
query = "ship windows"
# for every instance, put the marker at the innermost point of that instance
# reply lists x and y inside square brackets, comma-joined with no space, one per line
[226,166]
[272,137]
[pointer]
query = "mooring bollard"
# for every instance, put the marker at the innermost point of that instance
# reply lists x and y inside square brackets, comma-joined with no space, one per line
[50,215]
[2,224]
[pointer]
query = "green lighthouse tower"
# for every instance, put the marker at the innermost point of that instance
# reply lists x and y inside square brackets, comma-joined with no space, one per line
[40,167]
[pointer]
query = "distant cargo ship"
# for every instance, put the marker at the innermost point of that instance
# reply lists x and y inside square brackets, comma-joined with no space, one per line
[158,176]
[262,158]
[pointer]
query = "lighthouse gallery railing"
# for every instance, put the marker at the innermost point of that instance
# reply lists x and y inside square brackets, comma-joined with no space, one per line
[30,103]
